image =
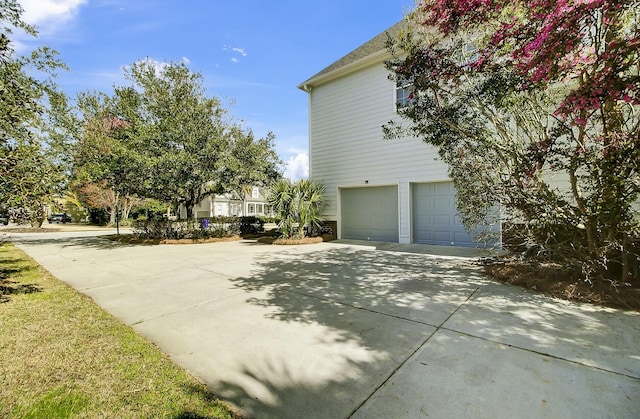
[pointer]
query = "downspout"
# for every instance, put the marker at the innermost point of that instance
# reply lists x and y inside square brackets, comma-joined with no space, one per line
[308,89]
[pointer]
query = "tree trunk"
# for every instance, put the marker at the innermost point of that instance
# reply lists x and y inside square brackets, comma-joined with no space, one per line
[189,207]
[37,217]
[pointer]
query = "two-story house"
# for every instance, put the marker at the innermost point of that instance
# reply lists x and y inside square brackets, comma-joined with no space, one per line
[252,202]
[377,189]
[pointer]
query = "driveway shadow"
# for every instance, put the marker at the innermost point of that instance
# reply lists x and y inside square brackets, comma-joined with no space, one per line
[408,286]
[87,242]
[372,310]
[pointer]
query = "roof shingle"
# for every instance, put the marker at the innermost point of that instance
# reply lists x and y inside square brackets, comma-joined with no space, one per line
[376,44]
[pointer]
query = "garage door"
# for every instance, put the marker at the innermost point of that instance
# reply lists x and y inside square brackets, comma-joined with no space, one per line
[370,213]
[435,219]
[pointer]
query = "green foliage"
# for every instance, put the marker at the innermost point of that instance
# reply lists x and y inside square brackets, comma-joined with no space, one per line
[165,229]
[559,156]
[298,206]
[250,161]
[31,151]
[152,208]
[251,225]
[162,138]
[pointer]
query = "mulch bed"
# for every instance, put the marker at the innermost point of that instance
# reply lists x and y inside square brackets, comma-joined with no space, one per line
[289,242]
[553,280]
[133,239]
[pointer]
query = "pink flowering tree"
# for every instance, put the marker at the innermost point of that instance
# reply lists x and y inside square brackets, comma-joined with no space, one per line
[534,105]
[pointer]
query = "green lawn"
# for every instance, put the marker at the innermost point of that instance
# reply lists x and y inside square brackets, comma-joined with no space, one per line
[63,356]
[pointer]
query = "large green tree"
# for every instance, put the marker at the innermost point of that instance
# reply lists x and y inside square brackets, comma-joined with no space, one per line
[191,145]
[534,107]
[178,129]
[249,162]
[108,171]
[163,138]
[31,149]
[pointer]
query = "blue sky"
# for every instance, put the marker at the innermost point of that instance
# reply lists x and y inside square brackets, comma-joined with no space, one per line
[251,53]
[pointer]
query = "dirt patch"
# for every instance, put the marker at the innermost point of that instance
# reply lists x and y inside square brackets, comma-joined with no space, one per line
[554,280]
[289,242]
[133,239]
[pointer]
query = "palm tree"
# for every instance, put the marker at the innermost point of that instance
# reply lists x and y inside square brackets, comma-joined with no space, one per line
[298,205]
[310,205]
[281,197]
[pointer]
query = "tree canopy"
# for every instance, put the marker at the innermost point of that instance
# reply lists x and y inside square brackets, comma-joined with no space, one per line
[534,107]
[31,151]
[163,138]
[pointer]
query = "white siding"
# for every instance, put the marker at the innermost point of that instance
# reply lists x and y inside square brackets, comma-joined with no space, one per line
[346,146]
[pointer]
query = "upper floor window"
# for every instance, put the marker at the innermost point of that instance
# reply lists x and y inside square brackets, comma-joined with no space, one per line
[255,192]
[470,52]
[404,95]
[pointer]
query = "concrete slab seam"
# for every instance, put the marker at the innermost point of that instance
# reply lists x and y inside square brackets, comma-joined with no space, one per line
[213,272]
[411,355]
[361,308]
[420,346]
[459,307]
[508,345]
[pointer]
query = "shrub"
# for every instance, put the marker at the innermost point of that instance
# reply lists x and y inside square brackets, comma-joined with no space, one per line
[251,225]
[165,229]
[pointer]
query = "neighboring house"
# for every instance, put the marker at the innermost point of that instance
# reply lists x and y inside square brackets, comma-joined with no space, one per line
[377,189]
[252,202]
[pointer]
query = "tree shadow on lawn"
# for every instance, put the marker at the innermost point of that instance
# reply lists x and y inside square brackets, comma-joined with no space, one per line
[11,268]
[8,288]
[379,307]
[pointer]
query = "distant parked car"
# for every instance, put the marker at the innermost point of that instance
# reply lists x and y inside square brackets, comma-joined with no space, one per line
[59,218]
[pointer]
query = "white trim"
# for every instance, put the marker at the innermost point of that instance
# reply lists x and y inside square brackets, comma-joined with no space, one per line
[364,62]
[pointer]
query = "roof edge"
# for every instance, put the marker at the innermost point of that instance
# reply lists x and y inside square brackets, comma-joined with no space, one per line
[371,51]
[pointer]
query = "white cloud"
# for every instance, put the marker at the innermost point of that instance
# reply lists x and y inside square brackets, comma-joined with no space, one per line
[297,167]
[49,14]
[238,51]
[186,60]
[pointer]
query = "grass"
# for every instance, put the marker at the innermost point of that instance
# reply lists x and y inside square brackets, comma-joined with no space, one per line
[63,356]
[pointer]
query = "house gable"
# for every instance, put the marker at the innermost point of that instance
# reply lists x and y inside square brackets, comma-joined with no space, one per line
[375,50]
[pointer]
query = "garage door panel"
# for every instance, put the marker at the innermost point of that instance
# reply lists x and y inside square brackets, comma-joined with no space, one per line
[435,219]
[442,220]
[370,213]
[441,203]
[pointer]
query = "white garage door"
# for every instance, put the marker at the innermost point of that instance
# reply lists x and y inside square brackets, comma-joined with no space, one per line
[435,219]
[370,213]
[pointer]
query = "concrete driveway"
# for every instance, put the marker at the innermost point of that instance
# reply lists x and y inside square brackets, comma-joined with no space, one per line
[339,330]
